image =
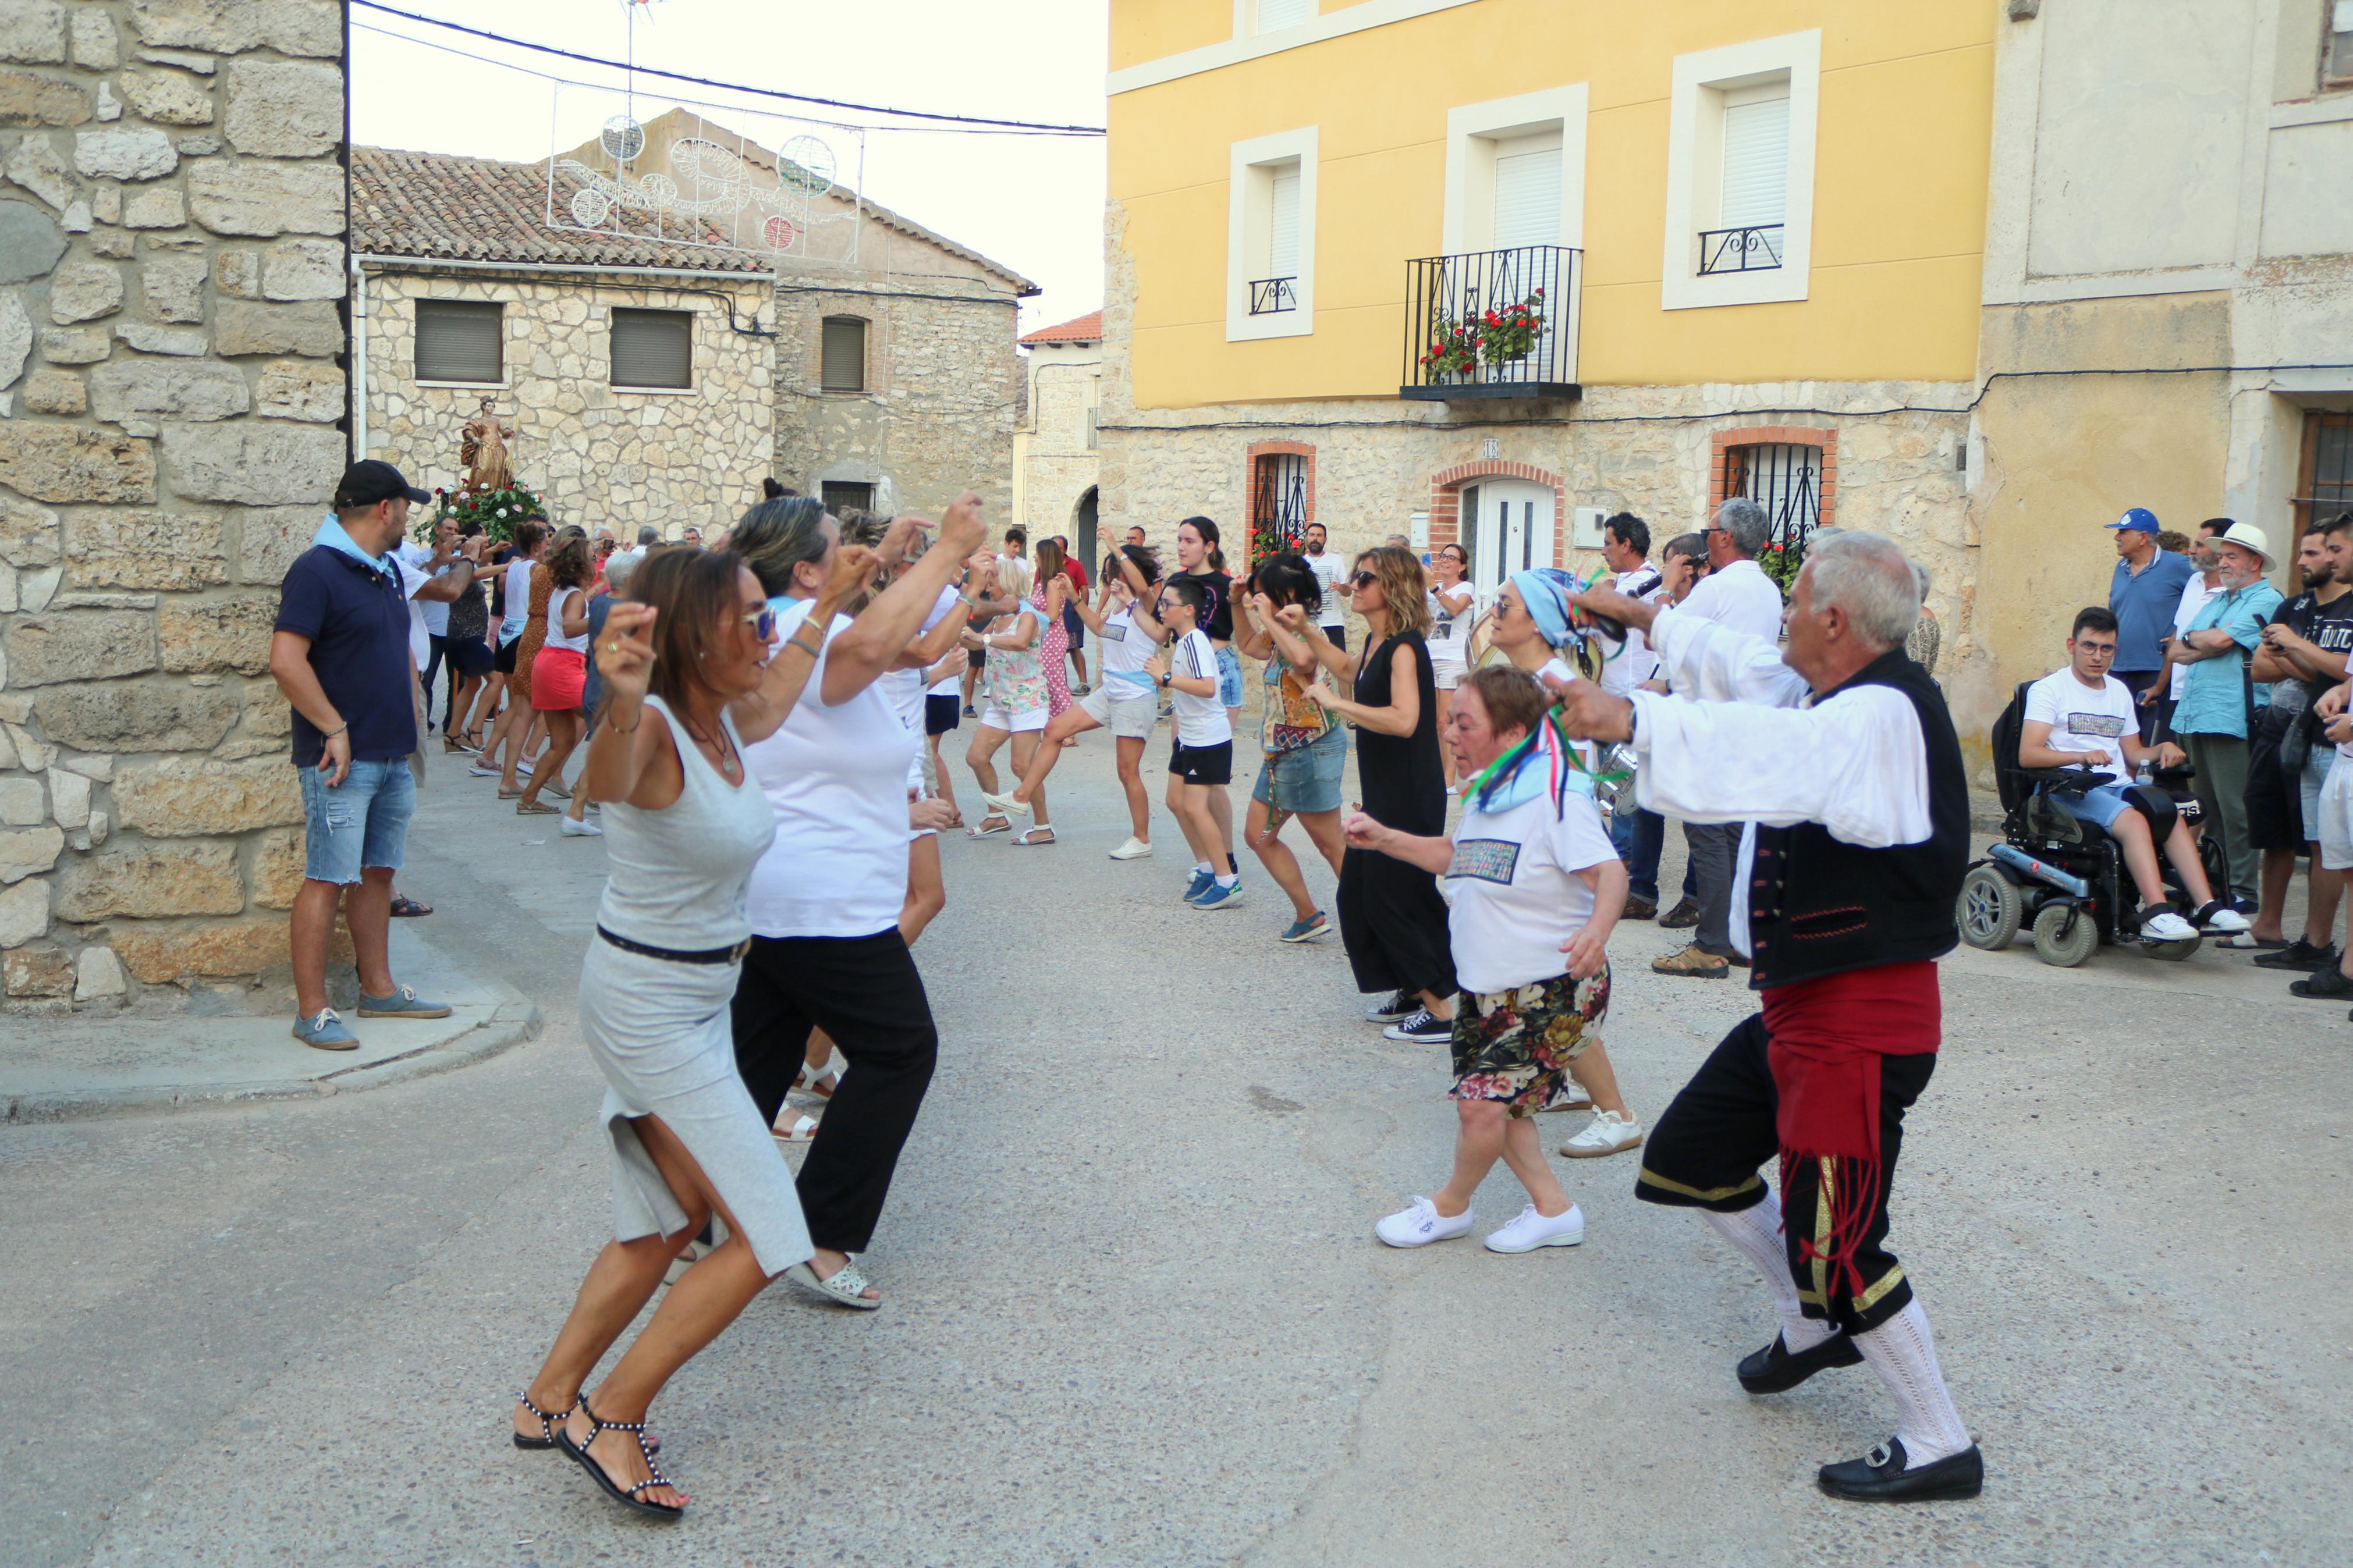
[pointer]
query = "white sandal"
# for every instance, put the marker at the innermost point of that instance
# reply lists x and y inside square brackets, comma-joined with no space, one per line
[805,1086]
[847,1288]
[1028,838]
[803,1130]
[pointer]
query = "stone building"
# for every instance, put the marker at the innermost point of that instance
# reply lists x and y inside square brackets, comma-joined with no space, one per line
[1056,446]
[659,382]
[172,266]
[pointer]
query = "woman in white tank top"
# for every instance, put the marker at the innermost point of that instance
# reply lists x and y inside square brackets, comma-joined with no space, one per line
[684,824]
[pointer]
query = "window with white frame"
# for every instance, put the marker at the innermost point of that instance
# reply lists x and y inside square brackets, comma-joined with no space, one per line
[2337,47]
[1258,16]
[1271,237]
[1527,191]
[1515,173]
[1740,173]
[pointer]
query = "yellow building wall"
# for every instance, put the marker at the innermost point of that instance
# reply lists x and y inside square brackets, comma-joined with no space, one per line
[1903,140]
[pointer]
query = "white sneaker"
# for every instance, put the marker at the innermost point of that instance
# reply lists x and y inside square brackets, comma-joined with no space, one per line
[2229,922]
[1134,849]
[2167,926]
[1610,1132]
[1533,1230]
[571,829]
[1419,1223]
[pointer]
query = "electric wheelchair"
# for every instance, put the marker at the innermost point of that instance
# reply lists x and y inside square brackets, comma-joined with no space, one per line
[2065,880]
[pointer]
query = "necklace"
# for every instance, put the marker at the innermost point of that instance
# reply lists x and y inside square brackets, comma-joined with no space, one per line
[726,753]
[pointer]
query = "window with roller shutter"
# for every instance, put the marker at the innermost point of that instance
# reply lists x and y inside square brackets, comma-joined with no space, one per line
[653,350]
[842,354]
[1528,192]
[1273,16]
[459,341]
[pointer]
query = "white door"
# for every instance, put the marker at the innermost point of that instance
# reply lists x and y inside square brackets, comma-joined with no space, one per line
[1513,530]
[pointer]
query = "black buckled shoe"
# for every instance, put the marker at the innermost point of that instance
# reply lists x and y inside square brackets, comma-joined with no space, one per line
[1880,1477]
[1777,1369]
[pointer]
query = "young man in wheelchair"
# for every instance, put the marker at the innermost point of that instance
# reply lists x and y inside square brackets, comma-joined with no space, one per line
[2082,714]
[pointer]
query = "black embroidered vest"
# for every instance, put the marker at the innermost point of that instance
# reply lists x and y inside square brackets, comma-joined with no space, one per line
[1818,907]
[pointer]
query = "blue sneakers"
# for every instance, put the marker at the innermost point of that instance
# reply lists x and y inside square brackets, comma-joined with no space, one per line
[1308,930]
[325,1032]
[1202,882]
[403,1002]
[1219,898]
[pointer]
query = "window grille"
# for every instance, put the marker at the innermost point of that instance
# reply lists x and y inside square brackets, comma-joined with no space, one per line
[1784,478]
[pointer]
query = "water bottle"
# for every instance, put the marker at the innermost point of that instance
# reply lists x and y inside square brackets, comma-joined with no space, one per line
[2143,774]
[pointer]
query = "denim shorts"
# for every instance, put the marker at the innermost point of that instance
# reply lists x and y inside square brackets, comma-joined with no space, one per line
[364,821]
[1305,779]
[2100,805]
[2316,770]
[1229,679]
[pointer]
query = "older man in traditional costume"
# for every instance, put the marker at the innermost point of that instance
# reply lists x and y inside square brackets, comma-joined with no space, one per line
[1840,753]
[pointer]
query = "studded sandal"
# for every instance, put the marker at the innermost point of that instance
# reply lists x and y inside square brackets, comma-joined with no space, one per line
[626,1496]
[547,1420]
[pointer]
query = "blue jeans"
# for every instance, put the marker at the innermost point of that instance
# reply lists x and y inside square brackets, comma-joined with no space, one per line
[1639,835]
[362,822]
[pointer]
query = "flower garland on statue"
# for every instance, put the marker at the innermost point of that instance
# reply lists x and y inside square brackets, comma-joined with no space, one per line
[499,511]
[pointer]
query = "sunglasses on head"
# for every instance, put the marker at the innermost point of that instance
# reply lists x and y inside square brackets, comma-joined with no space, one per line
[762,621]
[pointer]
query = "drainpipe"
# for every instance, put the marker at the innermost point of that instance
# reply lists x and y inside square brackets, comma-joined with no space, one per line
[359,361]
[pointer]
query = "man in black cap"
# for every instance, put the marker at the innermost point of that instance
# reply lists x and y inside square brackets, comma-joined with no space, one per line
[341,654]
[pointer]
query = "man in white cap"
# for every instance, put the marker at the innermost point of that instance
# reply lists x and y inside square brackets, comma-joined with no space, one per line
[2211,720]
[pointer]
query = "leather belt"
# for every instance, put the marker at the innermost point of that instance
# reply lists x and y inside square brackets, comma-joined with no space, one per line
[673,955]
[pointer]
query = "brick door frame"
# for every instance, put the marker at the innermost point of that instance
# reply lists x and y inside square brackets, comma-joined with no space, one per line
[1446,499]
[1721,443]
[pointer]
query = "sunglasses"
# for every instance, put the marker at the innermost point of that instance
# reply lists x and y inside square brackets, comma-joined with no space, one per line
[1362,580]
[762,621]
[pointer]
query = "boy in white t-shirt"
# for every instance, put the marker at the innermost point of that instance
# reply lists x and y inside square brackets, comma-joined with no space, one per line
[2083,713]
[1203,759]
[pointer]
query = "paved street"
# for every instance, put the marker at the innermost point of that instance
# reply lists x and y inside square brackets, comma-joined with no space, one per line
[1135,1314]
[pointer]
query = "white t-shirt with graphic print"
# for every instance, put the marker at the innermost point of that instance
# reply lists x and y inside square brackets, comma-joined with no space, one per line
[1511,893]
[2089,720]
[1200,721]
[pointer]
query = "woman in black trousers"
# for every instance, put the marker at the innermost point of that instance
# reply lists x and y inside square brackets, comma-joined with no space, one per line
[1392,919]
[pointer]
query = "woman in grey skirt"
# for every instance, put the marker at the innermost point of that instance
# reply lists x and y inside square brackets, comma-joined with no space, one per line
[683,826]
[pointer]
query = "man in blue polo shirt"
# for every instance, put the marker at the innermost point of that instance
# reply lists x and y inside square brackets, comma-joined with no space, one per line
[2143,595]
[340,655]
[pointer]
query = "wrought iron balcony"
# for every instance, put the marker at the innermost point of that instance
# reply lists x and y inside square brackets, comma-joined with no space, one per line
[1270,295]
[1756,249]
[1492,323]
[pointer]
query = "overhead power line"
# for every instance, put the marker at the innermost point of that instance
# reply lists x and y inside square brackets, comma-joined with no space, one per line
[972,119]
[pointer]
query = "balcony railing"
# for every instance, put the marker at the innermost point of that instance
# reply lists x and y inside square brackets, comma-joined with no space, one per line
[1492,323]
[1756,249]
[1270,295]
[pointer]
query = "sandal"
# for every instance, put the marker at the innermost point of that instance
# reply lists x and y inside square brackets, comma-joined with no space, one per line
[535,808]
[846,1288]
[1029,840]
[809,1089]
[626,1495]
[547,1420]
[405,908]
[986,831]
[450,742]
[802,1131]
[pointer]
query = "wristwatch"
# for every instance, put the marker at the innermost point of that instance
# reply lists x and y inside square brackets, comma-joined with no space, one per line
[1164,678]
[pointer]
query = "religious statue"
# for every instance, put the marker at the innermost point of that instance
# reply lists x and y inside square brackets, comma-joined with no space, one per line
[484,453]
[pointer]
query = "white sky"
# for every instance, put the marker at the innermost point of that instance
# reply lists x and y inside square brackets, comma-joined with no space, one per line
[1032,203]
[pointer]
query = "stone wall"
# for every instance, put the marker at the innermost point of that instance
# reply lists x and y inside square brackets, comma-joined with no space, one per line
[936,417]
[602,456]
[1059,466]
[170,277]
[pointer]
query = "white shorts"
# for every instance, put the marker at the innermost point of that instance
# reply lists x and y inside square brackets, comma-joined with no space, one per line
[1029,724]
[2335,825]
[1445,673]
[1127,718]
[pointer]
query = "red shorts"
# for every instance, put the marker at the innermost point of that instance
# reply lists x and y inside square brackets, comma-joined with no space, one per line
[557,675]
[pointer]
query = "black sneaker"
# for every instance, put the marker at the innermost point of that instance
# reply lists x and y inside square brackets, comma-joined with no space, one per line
[1404,1004]
[2299,955]
[1880,1476]
[2327,984]
[1424,1028]
[1684,916]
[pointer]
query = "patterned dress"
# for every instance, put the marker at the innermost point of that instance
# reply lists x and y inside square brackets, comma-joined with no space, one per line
[1053,651]
[1016,683]
[535,632]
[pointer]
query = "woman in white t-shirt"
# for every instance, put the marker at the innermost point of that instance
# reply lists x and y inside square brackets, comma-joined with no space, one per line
[1533,890]
[826,900]
[1454,604]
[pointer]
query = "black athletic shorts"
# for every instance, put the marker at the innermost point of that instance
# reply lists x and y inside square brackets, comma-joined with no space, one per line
[1203,765]
[976,658]
[504,661]
[2275,796]
[942,714]
[469,657]
[1338,635]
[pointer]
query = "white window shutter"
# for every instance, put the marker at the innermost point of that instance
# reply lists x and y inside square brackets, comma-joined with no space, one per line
[1282,224]
[1527,197]
[1273,16]
[1755,164]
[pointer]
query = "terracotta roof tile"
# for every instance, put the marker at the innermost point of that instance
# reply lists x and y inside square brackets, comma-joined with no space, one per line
[1086,329]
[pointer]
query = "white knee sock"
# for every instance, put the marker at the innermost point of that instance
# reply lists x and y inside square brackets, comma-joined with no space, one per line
[1903,1353]
[1756,1231]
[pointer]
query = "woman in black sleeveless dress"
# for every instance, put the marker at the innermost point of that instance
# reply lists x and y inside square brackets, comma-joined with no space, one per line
[1392,920]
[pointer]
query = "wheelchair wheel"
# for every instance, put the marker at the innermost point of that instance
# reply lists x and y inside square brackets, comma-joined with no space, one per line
[2173,952]
[1990,909]
[2072,948]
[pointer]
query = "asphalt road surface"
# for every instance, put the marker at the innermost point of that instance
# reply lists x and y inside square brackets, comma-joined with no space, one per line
[1135,1313]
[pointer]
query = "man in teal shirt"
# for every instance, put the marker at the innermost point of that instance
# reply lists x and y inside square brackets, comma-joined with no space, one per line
[2210,720]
